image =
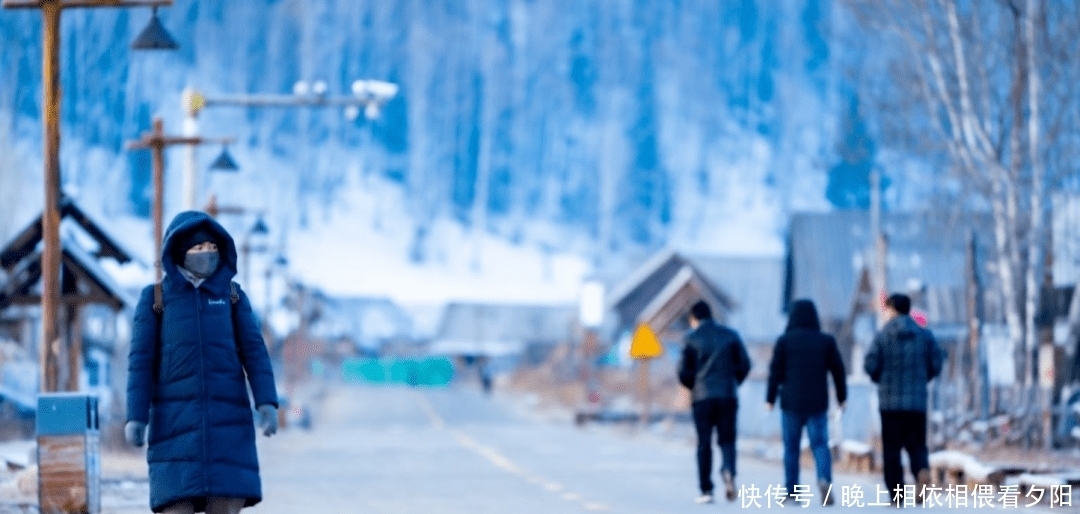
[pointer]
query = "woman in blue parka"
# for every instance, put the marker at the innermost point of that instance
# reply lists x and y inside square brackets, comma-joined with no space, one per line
[193,342]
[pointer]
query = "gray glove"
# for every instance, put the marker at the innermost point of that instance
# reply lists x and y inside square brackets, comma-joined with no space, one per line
[135,433]
[268,419]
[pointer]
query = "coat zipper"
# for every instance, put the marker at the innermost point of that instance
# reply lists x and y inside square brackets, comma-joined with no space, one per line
[202,387]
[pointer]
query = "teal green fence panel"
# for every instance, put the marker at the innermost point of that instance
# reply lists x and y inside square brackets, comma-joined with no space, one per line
[429,371]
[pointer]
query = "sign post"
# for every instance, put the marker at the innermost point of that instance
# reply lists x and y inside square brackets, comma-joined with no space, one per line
[591,316]
[644,347]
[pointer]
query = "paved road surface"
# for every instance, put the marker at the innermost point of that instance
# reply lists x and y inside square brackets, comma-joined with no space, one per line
[405,451]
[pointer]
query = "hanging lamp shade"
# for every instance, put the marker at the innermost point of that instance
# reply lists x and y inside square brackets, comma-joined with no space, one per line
[224,162]
[154,36]
[260,227]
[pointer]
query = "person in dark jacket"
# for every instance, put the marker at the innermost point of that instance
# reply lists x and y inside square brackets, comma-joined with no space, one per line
[903,358]
[801,362]
[186,377]
[714,363]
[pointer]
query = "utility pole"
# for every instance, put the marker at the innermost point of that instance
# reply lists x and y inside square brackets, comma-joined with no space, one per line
[156,141]
[881,250]
[50,219]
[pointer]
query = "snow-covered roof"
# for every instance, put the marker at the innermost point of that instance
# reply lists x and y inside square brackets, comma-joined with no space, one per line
[26,241]
[756,284]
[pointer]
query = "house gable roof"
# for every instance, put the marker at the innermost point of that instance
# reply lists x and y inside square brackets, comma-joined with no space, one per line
[83,277]
[26,241]
[663,289]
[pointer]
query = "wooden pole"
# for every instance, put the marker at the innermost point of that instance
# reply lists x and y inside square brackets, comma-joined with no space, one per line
[158,150]
[50,217]
[643,385]
[245,251]
[881,251]
[75,349]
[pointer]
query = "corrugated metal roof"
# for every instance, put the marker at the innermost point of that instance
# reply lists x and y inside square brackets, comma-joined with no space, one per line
[504,323]
[756,284]
[926,251]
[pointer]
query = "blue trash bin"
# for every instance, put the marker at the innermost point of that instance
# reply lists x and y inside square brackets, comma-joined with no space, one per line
[68,453]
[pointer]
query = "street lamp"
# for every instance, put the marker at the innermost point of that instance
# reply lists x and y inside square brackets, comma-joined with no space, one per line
[279,263]
[157,141]
[50,216]
[224,162]
[154,36]
[258,229]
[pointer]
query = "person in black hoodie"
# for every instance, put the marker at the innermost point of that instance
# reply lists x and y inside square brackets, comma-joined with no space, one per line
[801,362]
[714,363]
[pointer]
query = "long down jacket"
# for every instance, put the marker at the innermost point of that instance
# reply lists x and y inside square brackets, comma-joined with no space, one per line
[186,378]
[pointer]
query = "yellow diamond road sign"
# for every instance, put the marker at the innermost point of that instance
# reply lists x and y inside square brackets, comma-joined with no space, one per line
[645,344]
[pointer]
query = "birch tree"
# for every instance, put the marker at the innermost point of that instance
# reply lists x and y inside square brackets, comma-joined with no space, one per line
[975,73]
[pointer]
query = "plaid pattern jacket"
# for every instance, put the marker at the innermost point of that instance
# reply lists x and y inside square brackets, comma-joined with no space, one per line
[903,358]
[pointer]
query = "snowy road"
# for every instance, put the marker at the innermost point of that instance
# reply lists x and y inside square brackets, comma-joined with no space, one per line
[453,451]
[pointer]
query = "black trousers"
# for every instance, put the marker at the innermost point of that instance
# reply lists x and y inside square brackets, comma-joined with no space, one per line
[714,414]
[903,430]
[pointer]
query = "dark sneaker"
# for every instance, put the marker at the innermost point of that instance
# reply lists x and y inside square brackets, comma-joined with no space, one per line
[826,493]
[729,486]
[922,481]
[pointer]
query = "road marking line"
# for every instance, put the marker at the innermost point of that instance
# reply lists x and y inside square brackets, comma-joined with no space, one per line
[490,454]
[499,460]
[425,405]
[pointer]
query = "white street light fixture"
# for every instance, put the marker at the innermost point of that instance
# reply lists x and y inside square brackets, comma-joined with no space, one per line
[369,95]
[352,112]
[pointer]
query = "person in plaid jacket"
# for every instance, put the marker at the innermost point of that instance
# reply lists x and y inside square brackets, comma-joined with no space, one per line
[903,358]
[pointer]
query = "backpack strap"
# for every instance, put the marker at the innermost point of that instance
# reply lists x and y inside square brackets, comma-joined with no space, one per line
[159,302]
[234,298]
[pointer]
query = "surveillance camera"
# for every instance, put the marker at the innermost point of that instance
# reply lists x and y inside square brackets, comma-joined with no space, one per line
[383,90]
[371,112]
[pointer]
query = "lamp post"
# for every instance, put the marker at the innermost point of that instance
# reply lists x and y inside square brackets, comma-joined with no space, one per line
[591,316]
[280,262]
[369,95]
[157,141]
[258,229]
[50,217]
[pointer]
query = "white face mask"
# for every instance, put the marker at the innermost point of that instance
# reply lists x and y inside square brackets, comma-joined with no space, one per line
[202,264]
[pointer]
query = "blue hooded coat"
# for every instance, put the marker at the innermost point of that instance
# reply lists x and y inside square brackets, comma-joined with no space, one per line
[186,379]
